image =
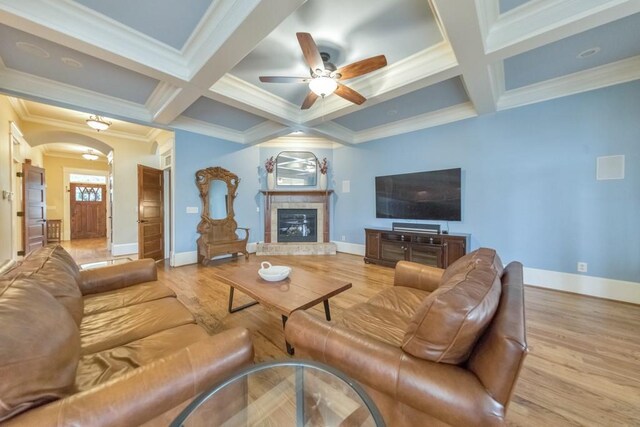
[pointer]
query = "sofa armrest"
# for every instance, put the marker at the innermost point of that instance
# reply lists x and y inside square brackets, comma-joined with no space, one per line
[151,390]
[117,276]
[418,276]
[447,392]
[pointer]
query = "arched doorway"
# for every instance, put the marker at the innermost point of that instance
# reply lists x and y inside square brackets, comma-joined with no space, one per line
[79,190]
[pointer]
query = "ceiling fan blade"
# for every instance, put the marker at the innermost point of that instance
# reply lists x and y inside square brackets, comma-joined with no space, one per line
[349,94]
[310,51]
[282,79]
[362,67]
[309,100]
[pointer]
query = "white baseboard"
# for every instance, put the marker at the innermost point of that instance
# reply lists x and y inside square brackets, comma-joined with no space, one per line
[599,287]
[118,249]
[185,258]
[586,285]
[350,248]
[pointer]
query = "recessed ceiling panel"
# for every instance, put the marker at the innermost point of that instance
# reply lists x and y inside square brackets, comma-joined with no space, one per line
[217,113]
[598,46]
[507,5]
[432,98]
[32,55]
[168,21]
[348,30]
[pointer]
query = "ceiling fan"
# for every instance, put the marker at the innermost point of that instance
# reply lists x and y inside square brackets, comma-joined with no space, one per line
[325,76]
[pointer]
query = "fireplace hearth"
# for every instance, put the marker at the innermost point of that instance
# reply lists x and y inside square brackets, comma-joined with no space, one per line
[297,225]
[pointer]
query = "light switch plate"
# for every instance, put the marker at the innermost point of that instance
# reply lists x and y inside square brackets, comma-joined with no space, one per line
[346,186]
[192,209]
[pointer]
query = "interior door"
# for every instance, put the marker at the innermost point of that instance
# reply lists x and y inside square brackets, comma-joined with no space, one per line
[34,208]
[88,211]
[150,213]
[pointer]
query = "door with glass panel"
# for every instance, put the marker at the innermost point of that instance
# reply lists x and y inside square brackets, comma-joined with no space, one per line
[88,211]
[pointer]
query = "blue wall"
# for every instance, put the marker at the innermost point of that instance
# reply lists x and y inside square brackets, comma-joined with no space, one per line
[529,181]
[194,152]
[529,186]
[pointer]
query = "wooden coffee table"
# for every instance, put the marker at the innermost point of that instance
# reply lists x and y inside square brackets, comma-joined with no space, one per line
[301,290]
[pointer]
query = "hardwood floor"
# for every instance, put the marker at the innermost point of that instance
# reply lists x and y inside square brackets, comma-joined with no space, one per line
[584,362]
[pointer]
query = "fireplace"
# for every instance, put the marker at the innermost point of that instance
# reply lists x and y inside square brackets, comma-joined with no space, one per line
[297,225]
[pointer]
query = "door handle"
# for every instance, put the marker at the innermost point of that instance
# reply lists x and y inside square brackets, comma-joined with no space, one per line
[142,221]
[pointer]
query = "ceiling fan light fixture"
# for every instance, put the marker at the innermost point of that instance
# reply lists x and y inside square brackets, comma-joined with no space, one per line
[89,155]
[98,123]
[323,86]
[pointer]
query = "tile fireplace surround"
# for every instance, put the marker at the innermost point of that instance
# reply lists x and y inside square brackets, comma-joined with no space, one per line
[307,199]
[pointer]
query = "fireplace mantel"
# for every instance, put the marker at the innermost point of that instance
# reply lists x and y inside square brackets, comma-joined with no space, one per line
[304,196]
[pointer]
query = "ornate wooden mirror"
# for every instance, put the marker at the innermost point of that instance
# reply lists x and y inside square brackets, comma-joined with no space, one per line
[217,228]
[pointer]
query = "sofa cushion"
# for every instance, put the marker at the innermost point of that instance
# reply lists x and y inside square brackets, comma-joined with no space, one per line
[95,369]
[400,299]
[54,269]
[118,298]
[452,318]
[39,348]
[114,328]
[376,322]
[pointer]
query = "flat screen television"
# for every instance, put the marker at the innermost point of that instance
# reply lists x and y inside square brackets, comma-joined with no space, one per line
[433,195]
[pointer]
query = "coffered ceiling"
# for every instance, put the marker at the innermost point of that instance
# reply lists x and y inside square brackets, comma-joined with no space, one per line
[195,65]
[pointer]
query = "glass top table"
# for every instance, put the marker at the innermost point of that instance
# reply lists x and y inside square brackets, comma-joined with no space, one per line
[285,393]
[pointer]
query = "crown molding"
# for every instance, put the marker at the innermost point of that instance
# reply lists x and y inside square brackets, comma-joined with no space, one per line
[20,107]
[161,96]
[424,68]
[60,154]
[537,23]
[595,78]
[422,121]
[81,28]
[204,128]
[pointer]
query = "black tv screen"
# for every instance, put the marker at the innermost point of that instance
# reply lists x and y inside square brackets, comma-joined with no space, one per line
[433,195]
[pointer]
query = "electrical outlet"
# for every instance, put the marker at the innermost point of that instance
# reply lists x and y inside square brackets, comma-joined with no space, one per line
[257,208]
[582,267]
[343,238]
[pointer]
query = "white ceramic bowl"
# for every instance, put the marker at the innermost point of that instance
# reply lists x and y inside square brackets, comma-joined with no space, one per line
[273,273]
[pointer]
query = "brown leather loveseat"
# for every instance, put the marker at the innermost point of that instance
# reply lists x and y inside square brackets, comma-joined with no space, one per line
[440,347]
[104,347]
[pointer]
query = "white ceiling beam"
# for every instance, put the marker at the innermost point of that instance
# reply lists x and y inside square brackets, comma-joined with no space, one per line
[241,94]
[538,23]
[209,129]
[253,21]
[38,88]
[265,132]
[463,29]
[333,132]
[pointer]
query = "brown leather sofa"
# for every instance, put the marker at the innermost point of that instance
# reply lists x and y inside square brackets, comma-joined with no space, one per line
[104,347]
[440,347]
